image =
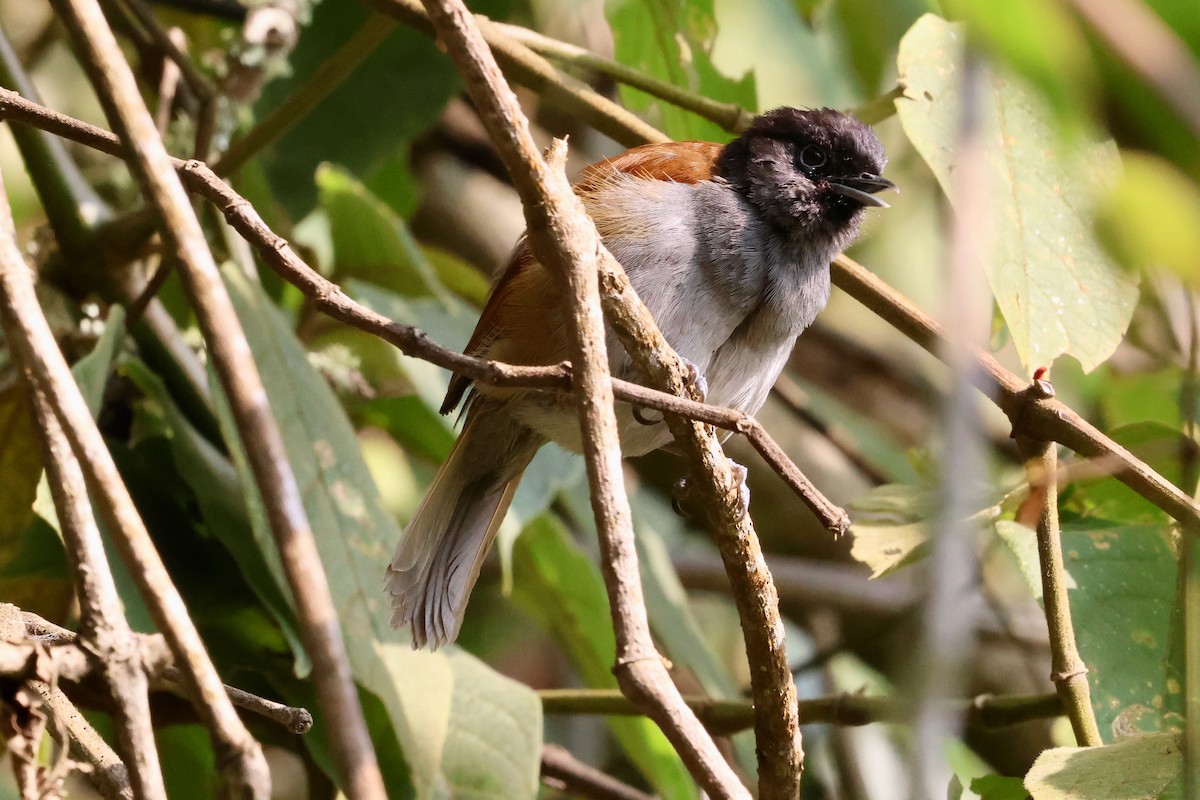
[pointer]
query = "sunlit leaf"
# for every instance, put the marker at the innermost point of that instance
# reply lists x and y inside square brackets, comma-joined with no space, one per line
[672,40]
[1058,290]
[890,526]
[1145,768]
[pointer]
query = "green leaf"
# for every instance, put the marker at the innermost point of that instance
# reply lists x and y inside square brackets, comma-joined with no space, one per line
[1149,218]
[355,537]
[562,589]
[370,241]
[673,40]
[1122,603]
[1058,290]
[91,371]
[188,764]
[996,787]
[218,495]
[1145,768]
[1106,497]
[1040,41]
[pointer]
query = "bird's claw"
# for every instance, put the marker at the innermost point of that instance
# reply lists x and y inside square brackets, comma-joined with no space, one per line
[681,492]
[679,495]
[644,417]
[697,382]
[739,475]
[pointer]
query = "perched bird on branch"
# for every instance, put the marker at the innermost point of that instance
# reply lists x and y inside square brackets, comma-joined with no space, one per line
[729,248]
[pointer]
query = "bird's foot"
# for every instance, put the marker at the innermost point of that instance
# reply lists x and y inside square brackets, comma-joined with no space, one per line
[695,381]
[739,474]
[682,490]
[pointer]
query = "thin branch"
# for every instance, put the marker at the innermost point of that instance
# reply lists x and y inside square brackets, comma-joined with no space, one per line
[528,69]
[581,780]
[235,366]
[729,116]
[1068,671]
[1041,418]
[162,673]
[563,238]
[29,335]
[108,774]
[104,628]
[197,81]
[794,399]
[726,717]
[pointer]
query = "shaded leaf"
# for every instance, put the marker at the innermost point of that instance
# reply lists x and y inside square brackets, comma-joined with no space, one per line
[996,787]
[890,526]
[1145,768]
[1123,601]
[562,589]
[1058,290]
[370,241]
[218,495]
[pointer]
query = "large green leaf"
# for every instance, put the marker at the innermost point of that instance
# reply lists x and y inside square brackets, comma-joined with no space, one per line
[355,537]
[673,40]
[1145,768]
[1057,289]
[558,585]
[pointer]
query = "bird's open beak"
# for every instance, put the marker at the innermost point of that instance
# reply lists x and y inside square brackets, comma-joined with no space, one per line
[862,188]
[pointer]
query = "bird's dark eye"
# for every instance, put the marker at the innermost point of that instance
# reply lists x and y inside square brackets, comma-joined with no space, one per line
[812,157]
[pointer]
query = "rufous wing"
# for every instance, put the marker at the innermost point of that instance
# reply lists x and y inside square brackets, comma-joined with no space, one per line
[680,162]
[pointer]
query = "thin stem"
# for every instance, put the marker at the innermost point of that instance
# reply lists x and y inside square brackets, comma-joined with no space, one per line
[102,621]
[1067,669]
[726,717]
[581,780]
[729,116]
[332,72]
[196,80]
[108,774]
[30,336]
[528,69]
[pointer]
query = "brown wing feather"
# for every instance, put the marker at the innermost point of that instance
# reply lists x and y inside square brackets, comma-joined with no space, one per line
[681,162]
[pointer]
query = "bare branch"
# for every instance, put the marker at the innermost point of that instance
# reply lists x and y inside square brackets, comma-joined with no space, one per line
[581,780]
[1067,669]
[563,238]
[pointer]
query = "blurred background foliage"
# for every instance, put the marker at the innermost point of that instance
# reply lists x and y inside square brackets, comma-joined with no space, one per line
[389,186]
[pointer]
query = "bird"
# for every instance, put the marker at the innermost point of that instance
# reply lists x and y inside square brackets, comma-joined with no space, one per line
[729,247]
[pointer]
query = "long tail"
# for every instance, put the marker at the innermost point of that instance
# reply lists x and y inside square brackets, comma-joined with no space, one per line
[438,560]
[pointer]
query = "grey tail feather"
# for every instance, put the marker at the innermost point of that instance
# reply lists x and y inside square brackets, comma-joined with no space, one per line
[438,560]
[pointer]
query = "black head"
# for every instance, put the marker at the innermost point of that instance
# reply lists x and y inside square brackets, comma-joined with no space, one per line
[810,173]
